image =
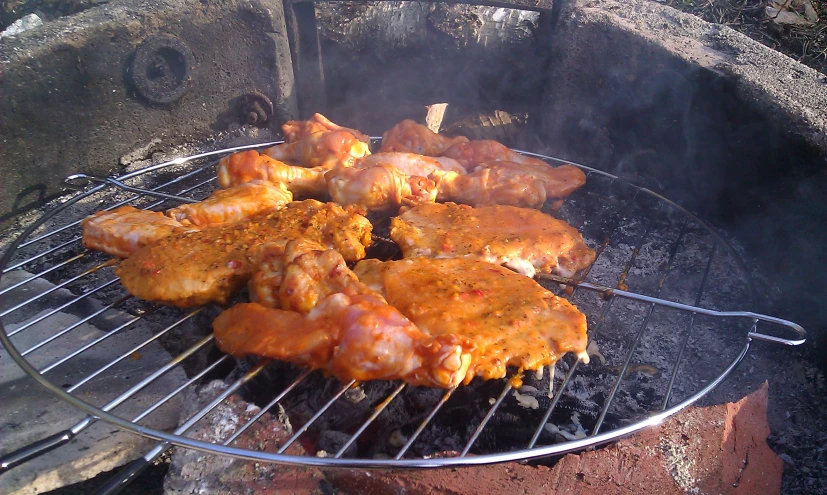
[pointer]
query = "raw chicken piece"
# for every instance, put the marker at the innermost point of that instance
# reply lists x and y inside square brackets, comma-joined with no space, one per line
[233,204]
[378,188]
[324,149]
[351,336]
[246,166]
[124,230]
[296,130]
[490,186]
[511,320]
[527,241]
[416,138]
[410,163]
[208,266]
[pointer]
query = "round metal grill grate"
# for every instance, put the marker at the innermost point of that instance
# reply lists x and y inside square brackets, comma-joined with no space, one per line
[663,302]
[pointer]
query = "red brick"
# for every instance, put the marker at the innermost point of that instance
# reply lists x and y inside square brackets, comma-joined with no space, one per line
[715,450]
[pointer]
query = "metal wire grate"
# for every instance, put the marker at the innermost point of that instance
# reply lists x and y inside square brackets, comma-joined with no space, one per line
[664,288]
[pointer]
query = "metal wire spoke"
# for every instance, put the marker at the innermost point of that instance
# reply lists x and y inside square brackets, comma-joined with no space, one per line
[109,208]
[572,370]
[154,407]
[485,420]
[595,331]
[269,406]
[132,351]
[424,423]
[40,275]
[60,308]
[376,412]
[97,341]
[316,416]
[134,469]
[56,287]
[41,447]
[630,354]
[688,332]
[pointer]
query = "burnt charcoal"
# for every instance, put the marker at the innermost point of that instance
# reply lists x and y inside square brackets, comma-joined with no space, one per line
[330,441]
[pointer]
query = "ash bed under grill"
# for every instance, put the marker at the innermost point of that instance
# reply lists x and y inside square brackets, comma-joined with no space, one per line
[664,302]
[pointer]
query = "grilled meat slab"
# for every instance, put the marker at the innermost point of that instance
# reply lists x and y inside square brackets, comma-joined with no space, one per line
[511,320]
[525,240]
[207,266]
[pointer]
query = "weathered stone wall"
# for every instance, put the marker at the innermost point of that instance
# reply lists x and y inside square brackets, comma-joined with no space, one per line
[69,102]
[727,127]
[384,61]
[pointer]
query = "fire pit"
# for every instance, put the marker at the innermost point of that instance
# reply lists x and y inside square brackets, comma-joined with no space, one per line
[667,299]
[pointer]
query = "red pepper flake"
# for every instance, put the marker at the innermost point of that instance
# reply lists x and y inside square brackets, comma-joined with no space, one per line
[234,264]
[478,292]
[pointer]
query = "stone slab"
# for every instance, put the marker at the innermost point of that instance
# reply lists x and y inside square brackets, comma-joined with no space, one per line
[29,411]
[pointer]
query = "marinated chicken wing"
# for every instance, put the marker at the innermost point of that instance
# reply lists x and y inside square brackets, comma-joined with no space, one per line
[410,163]
[208,266]
[246,166]
[297,275]
[351,336]
[408,136]
[527,241]
[296,130]
[233,204]
[490,186]
[124,230]
[558,182]
[511,320]
[382,187]
[324,149]
[470,154]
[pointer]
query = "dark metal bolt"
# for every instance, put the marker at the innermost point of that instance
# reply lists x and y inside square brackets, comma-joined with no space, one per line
[255,109]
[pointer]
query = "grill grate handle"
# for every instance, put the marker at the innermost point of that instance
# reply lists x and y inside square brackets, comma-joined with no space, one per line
[34,450]
[124,477]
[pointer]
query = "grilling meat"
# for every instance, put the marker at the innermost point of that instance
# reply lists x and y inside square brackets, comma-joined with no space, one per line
[352,336]
[410,163]
[377,188]
[208,266]
[246,166]
[470,154]
[323,149]
[124,230]
[408,136]
[527,241]
[334,322]
[296,130]
[558,182]
[490,187]
[233,204]
[296,275]
[384,181]
[511,320]
[526,185]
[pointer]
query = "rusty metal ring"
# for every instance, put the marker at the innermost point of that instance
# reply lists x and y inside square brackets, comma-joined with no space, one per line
[162,68]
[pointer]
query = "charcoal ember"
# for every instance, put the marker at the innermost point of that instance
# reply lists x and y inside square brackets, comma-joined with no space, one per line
[192,471]
[719,449]
[331,441]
